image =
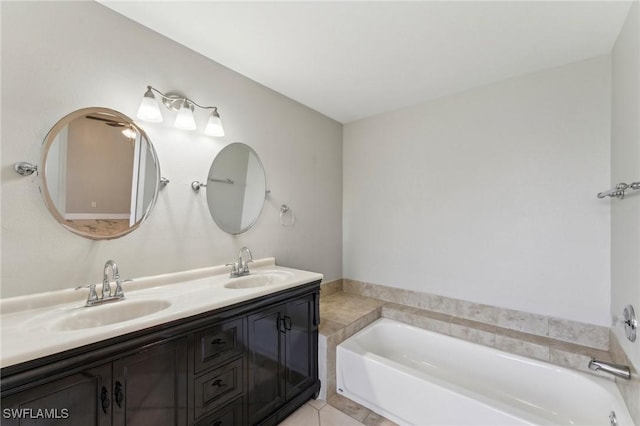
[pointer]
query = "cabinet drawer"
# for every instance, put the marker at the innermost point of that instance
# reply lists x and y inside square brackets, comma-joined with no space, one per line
[218,344]
[219,386]
[229,415]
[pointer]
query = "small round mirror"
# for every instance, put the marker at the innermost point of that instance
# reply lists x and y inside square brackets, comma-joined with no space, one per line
[100,173]
[236,188]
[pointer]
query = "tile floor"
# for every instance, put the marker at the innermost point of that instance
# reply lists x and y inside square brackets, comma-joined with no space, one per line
[319,413]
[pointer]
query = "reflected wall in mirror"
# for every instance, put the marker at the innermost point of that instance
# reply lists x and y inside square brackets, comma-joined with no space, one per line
[236,188]
[100,174]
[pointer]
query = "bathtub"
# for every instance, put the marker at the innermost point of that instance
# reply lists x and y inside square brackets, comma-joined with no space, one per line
[417,377]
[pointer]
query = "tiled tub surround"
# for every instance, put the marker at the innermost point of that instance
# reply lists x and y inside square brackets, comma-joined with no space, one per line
[591,336]
[566,343]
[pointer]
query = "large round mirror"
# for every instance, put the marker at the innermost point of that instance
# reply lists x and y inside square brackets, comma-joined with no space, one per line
[100,173]
[236,188]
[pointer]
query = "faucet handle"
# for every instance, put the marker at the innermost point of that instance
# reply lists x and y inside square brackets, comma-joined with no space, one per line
[245,268]
[234,267]
[93,295]
[119,293]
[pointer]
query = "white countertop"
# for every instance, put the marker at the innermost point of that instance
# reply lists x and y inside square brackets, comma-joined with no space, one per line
[30,324]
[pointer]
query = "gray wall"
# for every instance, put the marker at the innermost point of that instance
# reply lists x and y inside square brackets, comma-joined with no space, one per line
[625,167]
[489,195]
[90,56]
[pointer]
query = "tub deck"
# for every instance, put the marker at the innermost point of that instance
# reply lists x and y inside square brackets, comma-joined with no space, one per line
[415,376]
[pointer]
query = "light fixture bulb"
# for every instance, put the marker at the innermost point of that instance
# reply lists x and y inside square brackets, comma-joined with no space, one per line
[129,133]
[149,110]
[214,125]
[185,120]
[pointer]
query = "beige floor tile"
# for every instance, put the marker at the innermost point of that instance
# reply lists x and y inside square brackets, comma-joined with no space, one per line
[374,419]
[303,416]
[330,416]
[317,403]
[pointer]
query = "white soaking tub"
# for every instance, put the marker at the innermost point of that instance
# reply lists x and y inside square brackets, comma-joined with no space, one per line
[417,377]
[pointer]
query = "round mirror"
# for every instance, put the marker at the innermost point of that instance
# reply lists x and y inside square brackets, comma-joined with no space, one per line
[100,173]
[236,188]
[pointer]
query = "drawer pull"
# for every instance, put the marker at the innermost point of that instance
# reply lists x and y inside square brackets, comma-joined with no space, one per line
[218,423]
[104,397]
[218,383]
[218,342]
[280,322]
[287,323]
[118,394]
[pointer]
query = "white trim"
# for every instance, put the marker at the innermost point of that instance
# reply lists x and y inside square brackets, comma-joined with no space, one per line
[135,178]
[90,216]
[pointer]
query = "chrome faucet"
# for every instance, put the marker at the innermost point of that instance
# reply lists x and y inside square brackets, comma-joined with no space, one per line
[617,370]
[93,299]
[106,287]
[118,294]
[241,267]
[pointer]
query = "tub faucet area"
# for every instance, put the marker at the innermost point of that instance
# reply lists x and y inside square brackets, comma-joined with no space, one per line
[617,370]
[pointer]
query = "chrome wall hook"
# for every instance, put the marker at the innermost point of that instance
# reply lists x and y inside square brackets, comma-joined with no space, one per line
[619,190]
[25,169]
[195,185]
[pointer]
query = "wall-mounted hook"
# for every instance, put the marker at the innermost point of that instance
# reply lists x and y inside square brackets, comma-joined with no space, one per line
[25,169]
[195,185]
[619,190]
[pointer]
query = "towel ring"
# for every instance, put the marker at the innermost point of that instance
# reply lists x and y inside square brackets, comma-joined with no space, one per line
[285,211]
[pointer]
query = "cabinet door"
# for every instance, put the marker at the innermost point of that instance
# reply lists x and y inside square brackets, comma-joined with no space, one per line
[82,399]
[266,362]
[301,348]
[150,387]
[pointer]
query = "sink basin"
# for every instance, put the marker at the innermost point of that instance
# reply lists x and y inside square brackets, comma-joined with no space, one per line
[110,313]
[259,279]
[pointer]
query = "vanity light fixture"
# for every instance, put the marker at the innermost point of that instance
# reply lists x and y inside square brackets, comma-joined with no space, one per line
[128,132]
[149,111]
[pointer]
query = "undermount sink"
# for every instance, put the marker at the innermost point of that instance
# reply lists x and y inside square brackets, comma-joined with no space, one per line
[111,313]
[258,279]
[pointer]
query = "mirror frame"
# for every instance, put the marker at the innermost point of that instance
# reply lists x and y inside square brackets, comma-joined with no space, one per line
[264,174]
[44,188]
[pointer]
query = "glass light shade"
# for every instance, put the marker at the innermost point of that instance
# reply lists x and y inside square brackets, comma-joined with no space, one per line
[214,125]
[149,110]
[185,120]
[129,133]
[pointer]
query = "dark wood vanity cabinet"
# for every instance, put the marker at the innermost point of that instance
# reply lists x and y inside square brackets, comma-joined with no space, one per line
[76,400]
[143,388]
[250,363]
[148,387]
[283,347]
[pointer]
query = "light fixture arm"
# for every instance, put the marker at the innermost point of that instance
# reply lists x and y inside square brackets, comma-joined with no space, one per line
[174,102]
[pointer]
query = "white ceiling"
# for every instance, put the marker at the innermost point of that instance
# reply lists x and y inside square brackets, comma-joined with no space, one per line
[353,59]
